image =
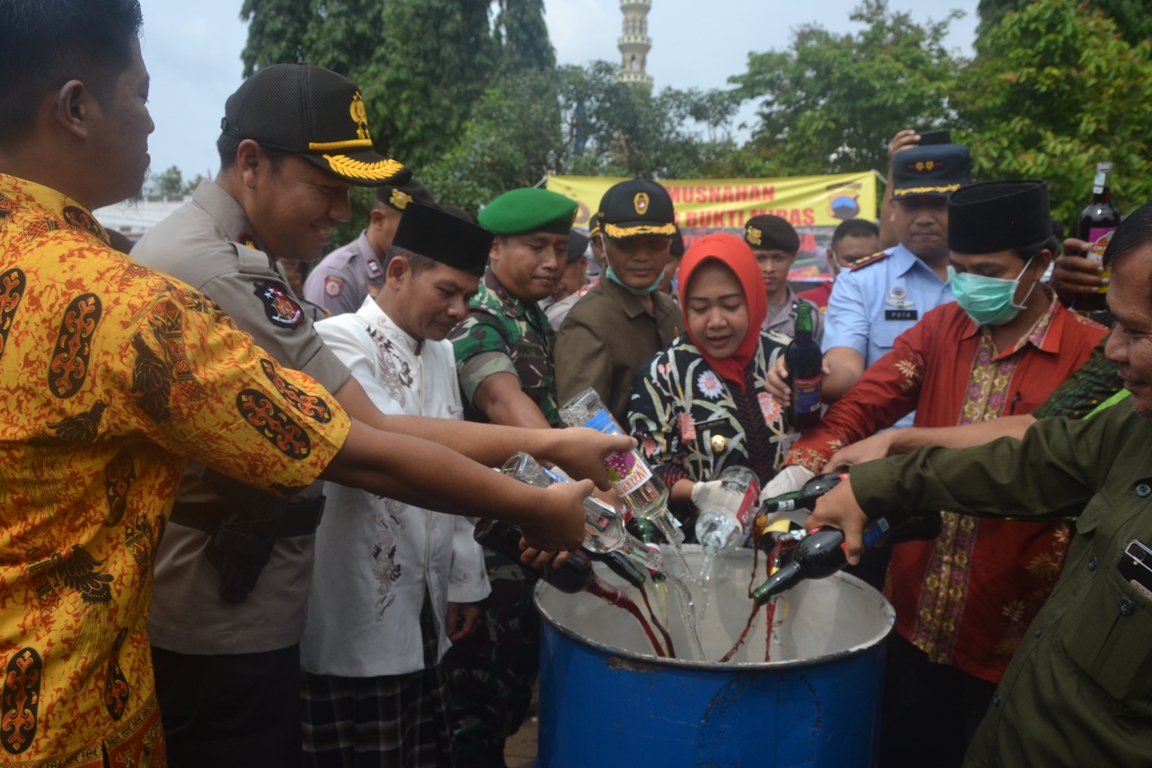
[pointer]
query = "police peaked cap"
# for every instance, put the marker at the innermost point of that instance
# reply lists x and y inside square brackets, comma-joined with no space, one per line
[998,216]
[936,170]
[315,113]
[637,207]
[443,237]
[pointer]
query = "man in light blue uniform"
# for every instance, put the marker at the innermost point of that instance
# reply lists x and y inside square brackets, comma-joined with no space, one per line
[884,295]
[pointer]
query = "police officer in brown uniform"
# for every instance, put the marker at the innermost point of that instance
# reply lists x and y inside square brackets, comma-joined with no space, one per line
[226,652]
[351,273]
[624,321]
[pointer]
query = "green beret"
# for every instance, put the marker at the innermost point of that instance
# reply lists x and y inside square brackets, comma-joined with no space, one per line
[529,210]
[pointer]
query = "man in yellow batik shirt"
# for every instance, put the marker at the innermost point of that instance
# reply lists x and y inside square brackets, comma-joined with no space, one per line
[113,375]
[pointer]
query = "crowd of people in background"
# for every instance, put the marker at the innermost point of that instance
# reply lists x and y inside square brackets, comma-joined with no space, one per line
[340,613]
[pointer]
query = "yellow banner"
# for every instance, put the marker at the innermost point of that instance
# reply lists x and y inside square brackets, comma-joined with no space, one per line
[805,201]
[814,205]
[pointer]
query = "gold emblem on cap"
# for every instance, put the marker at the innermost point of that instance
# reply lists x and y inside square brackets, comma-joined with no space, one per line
[359,116]
[719,444]
[753,235]
[641,203]
[343,165]
[399,199]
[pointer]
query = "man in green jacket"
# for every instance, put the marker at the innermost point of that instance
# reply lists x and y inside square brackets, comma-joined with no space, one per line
[1079,689]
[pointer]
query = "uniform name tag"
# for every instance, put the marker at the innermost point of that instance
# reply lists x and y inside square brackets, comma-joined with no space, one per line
[901,314]
[1136,567]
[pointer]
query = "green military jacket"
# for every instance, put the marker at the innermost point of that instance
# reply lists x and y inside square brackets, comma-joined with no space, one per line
[1079,689]
[503,334]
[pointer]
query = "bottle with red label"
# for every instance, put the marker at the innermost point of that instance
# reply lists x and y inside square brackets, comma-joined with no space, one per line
[805,371]
[1096,224]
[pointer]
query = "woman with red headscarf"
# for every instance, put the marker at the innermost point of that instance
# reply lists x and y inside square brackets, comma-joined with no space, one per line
[701,404]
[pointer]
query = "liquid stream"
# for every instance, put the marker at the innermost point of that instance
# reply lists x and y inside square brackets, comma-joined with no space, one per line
[771,565]
[606,591]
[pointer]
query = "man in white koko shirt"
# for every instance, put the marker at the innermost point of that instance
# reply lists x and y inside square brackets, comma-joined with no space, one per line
[394,584]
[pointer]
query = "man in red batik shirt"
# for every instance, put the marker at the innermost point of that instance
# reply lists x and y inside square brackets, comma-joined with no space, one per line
[964,599]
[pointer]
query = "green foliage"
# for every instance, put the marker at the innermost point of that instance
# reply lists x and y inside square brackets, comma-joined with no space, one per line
[578,120]
[1053,90]
[275,29]
[1133,17]
[512,140]
[167,184]
[830,103]
[522,36]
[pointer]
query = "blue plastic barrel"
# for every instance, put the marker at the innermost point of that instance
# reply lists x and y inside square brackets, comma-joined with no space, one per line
[606,700]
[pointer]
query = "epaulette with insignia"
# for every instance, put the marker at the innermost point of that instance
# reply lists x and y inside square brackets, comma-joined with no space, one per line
[866,260]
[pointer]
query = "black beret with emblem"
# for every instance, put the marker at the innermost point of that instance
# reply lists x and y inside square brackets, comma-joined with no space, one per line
[936,170]
[397,197]
[444,237]
[637,207]
[315,113]
[999,216]
[771,233]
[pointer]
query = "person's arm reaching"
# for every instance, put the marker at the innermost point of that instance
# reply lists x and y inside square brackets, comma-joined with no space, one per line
[424,474]
[904,139]
[500,398]
[1052,473]
[577,451]
[897,442]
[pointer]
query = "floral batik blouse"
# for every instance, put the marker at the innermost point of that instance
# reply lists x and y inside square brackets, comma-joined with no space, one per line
[691,424]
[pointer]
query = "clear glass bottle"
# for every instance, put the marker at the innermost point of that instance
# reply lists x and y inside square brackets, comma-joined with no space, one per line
[725,525]
[603,526]
[644,494]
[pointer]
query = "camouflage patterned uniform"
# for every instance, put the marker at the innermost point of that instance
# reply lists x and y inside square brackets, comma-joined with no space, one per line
[491,674]
[505,335]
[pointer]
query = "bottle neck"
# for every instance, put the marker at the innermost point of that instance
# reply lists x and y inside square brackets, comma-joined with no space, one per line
[1102,187]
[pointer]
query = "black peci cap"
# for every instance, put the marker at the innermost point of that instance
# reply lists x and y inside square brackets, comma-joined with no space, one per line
[771,233]
[998,216]
[444,237]
[315,113]
[636,207]
[398,196]
[935,170]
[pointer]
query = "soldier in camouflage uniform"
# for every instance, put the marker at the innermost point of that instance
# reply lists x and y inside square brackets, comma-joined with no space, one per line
[504,361]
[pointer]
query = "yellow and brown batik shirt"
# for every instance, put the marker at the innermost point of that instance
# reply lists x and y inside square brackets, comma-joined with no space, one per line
[110,376]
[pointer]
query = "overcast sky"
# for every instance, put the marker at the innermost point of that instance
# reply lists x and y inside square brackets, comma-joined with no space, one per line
[192,50]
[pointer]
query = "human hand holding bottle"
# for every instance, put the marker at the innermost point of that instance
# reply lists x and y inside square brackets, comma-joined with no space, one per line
[776,382]
[838,509]
[581,452]
[559,525]
[1074,274]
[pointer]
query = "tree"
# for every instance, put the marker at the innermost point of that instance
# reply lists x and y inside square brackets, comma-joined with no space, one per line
[830,103]
[1053,90]
[522,37]
[1133,17]
[578,120]
[512,140]
[168,183]
[276,29]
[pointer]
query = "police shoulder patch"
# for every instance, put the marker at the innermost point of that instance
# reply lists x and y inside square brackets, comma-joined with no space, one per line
[866,260]
[280,308]
[333,285]
[374,269]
